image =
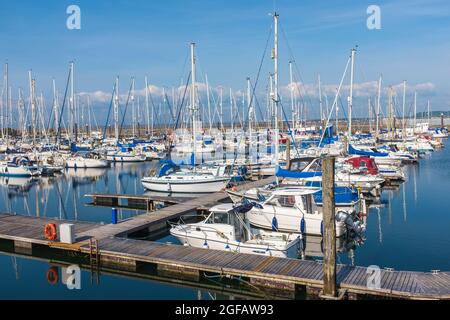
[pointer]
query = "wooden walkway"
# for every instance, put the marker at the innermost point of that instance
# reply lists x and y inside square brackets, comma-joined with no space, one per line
[27,232]
[153,219]
[394,284]
[400,284]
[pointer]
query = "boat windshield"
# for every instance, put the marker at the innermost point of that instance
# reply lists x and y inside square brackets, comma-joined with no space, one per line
[219,217]
[283,201]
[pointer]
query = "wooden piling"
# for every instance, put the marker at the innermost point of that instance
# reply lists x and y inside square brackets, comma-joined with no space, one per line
[329,229]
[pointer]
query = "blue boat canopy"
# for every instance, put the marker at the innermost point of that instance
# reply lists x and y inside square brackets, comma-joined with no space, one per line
[283,173]
[352,150]
[167,165]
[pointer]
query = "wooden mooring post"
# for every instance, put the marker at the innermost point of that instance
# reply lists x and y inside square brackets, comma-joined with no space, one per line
[329,229]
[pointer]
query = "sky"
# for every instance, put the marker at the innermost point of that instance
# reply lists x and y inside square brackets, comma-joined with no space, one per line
[134,38]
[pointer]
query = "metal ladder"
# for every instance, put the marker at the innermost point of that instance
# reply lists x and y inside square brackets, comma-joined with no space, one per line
[94,257]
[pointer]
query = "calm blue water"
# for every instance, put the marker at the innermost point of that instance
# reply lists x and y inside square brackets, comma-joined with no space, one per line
[407,230]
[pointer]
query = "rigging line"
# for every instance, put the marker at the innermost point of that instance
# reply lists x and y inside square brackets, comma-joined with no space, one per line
[256,83]
[109,111]
[180,107]
[125,111]
[337,96]
[295,63]
[169,106]
[58,134]
[259,71]
[289,127]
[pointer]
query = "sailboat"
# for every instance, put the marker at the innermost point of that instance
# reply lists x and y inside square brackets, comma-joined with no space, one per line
[192,180]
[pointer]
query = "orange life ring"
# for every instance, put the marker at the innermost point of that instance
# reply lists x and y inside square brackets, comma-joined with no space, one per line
[52,276]
[50,231]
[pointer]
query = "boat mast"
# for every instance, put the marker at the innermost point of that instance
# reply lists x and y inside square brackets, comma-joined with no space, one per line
[33,106]
[403,107]
[209,103]
[55,104]
[275,97]
[193,102]
[370,114]
[72,101]
[133,108]
[221,107]
[377,129]
[21,107]
[415,111]
[116,111]
[147,107]
[232,112]
[320,102]
[292,95]
[250,110]
[350,98]
[7,103]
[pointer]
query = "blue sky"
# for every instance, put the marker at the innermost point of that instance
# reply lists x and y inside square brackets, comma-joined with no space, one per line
[139,37]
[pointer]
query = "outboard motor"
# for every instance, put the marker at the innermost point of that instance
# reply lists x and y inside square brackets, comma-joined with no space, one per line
[351,224]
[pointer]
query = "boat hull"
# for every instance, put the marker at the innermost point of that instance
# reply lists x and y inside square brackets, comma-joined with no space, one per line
[174,186]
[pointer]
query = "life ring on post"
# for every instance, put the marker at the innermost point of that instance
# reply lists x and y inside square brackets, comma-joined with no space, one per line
[52,276]
[50,231]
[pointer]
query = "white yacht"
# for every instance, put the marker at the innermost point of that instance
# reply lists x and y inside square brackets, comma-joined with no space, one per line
[294,210]
[225,229]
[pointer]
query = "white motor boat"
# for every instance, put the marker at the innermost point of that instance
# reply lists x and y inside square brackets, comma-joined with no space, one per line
[294,210]
[225,229]
[343,178]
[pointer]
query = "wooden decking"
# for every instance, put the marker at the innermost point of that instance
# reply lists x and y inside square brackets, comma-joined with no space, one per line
[27,232]
[395,284]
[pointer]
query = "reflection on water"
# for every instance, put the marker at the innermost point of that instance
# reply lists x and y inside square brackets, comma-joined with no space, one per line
[62,195]
[407,228]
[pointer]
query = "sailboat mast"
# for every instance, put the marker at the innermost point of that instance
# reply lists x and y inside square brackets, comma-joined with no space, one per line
[55,104]
[292,95]
[377,129]
[116,111]
[320,102]
[209,103]
[415,111]
[250,111]
[8,102]
[350,98]
[147,106]
[72,101]
[193,101]
[133,108]
[403,109]
[275,98]
[33,106]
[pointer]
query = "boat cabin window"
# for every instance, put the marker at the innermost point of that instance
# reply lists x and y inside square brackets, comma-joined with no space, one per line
[219,217]
[283,201]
